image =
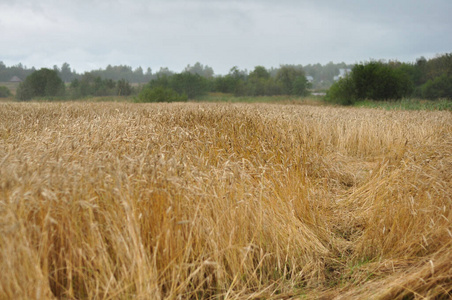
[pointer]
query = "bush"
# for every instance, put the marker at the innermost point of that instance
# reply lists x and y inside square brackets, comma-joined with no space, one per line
[378,81]
[185,83]
[4,92]
[160,94]
[440,87]
[342,92]
[375,81]
[42,83]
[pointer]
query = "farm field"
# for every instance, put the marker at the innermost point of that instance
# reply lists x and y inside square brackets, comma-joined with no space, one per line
[224,201]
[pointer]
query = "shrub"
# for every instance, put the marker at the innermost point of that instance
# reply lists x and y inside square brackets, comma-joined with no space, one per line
[375,81]
[185,83]
[4,92]
[342,92]
[160,94]
[378,81]
[440,87]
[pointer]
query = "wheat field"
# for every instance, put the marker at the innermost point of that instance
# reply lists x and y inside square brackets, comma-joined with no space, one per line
[224,201]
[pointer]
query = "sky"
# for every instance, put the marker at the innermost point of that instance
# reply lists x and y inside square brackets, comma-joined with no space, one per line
[91,34]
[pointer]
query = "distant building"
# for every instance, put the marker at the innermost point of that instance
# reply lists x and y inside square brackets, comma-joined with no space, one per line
[342,74]
[310,79]
[15,79]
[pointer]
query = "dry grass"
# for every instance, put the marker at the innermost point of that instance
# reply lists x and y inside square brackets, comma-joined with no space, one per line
[223,201]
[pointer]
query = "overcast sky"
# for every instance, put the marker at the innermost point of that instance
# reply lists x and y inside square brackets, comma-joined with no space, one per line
[90,34]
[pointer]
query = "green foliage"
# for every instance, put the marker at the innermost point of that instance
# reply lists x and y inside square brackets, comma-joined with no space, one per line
[374,80]
[259,72]
[123,88]
[200,69]
[408,104]
[192,85]
[300,86]
[425,78]
[66,74]
[4,92]
[438,66]
[342,92]
[178,87]
[232,83]
[185,83]
[260,83]
[24,92]
[91,85]
[288,80]
[42,83]
[160,94]
[226,84]
[120,72]
[292,80]
[440,87]
[379,81]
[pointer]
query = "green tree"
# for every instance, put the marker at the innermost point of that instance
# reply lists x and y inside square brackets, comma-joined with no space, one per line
[300,86]
[379,81]
[442,64]
[192,85]
[66,73]
[257,83]
[201,70]
[90,84]
[164,71]
[374,81]
[292,79]
[238,74]
[42,83]
[259,72]
[440,87]
[162,80]
[226,84]
[123,88]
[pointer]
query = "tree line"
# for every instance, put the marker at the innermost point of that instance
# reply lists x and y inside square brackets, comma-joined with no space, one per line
[119,80]
[323,75]
[376,80]
[386,81]
[193,82]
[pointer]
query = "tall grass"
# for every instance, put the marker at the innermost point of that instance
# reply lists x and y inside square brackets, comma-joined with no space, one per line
[280,99]
[408,104]
[223,201]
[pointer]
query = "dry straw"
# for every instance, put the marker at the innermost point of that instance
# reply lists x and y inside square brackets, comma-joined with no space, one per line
[222,201]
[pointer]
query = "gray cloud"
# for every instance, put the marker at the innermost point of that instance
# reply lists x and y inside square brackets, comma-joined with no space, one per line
[221,34]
